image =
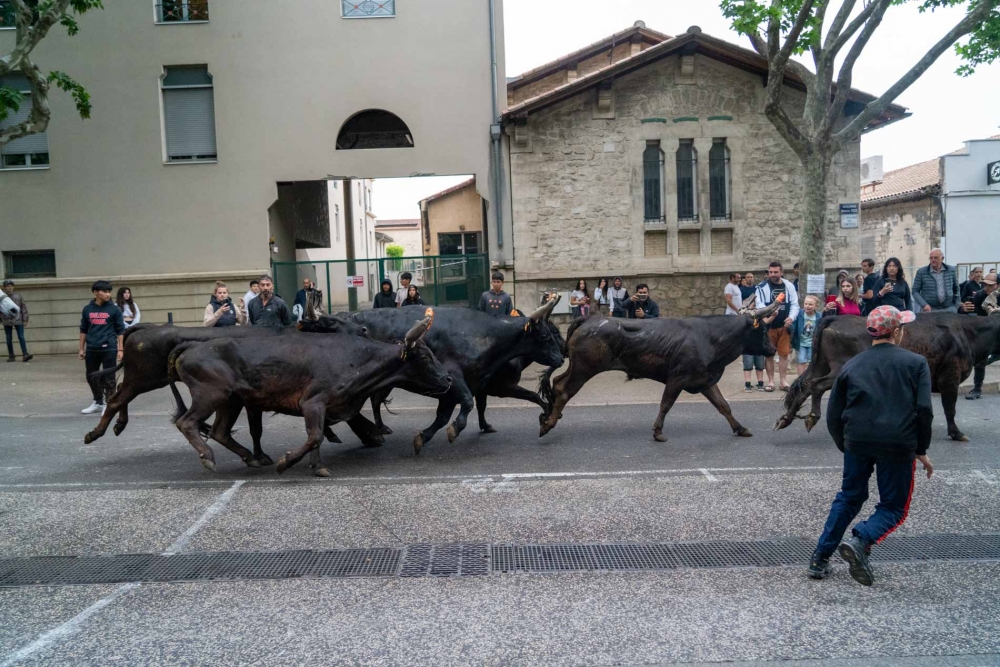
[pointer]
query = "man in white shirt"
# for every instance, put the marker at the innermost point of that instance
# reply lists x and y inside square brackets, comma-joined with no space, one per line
[734,298]
[254,291]
[404,287]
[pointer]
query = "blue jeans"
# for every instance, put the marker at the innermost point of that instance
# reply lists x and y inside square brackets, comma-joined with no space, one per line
[895,488]
[8,331]
[752,361]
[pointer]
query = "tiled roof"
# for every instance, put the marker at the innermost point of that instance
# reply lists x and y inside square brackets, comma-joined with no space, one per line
[454,188]
[413,223]
[917,179]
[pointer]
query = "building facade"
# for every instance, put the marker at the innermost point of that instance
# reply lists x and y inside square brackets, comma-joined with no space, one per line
[405,233]
[452,221]
[970,190]
[198,116]
[650,158]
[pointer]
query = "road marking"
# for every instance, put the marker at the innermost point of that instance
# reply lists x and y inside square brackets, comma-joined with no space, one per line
[73,625]
[983,476]
[709,476]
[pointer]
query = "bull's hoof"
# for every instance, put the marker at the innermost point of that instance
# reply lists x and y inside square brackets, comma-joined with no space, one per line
[282,464]
[323,472]
[89,438]
[959,437]
[265,460]
[659,437]
[372,444]
[811,420]
[452,433]
[208,463]
[332,437]
[541,419]
[385,430]
[418,443]
[545,428]
[743,432]
[782,423]
[487,429]
[118,428]
[252,462]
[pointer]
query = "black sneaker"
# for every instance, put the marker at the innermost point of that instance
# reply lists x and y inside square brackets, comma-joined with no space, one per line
[760,386]
[819,567]
[747,387]
[11,358]
[976,393]
[28,357]
[855,553]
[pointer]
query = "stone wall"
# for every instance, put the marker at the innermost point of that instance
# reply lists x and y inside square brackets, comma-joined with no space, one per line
[577,184]
[905,230]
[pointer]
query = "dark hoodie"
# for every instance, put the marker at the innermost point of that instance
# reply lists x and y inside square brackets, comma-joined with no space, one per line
[383,299]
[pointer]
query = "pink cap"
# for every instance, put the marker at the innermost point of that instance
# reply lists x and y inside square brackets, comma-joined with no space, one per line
[885,319]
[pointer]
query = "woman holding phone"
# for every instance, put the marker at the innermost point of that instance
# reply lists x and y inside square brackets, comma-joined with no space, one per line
[892,289]
[847,302]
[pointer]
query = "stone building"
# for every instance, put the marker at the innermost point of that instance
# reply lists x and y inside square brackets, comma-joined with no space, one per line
[649,157]
[452,221]
[405,233]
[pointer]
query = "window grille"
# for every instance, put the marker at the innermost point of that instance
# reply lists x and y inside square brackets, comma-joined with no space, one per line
[687,186]
[719,181]
[652,169]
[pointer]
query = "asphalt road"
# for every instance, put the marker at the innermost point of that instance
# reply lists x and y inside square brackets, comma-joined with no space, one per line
[598,477]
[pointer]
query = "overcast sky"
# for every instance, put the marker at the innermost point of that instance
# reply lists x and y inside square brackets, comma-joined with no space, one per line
[947,109]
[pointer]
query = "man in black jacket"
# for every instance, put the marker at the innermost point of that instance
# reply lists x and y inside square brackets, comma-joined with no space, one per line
[880,416]
[101,333]
[268,309]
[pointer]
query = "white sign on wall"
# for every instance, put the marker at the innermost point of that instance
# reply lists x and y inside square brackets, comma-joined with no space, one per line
[849,216]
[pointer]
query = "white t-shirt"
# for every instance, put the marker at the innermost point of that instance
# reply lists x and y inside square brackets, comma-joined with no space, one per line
[401,294]
[246,298]
[579,295]
[734,290]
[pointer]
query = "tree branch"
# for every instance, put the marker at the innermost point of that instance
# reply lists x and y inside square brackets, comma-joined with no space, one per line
[38,120]
[861,19]
[876,107]
[838,22]
[846,75]
[817,46]
[786,128]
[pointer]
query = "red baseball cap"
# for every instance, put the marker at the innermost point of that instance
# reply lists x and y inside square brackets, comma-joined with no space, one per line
[885,319]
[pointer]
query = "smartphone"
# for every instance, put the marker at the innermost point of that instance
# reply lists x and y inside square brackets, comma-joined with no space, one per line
[830,298]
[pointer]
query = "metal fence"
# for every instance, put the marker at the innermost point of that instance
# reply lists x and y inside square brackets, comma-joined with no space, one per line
[965,269]
[351,285]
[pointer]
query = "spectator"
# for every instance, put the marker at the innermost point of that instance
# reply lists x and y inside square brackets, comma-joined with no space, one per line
[733,295]
[602,297]
[802,332]
[413,297]
[979,372]
[302,299]
[795,271]
[835,288]
[859,283]
[12,323]
[386,298]
[847,303]
[779,322]
[579,299]
[130,311]
[220,311]
[967,290]
[101,330]
[404,287]
[867,289]
[879,415]
[254,291]
[935,287]
[891,289]
[268,309]
[640,306]
[748,290]
[495,301]
[619,299]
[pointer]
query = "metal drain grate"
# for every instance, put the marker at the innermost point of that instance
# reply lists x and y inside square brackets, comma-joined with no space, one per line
[445,560]
[462,560]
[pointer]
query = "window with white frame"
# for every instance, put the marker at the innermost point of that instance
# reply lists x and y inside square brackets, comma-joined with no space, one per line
[181,11]
[719,181]
[366,9]
[27,152]
[652,182]
[687,181]
[7,15]
[189,114]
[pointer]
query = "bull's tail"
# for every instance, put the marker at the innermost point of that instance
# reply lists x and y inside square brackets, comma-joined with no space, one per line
[802,386]
[174,356]
[179,407]
[545,385]
[107,376]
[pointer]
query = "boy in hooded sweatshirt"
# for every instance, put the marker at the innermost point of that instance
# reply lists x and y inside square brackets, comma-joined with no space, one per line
[386,298]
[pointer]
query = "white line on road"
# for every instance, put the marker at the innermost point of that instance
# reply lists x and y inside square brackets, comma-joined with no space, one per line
[986,478]
[71,626]
[709,476]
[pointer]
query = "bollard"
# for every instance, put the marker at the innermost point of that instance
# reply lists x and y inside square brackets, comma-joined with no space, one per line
[170,318]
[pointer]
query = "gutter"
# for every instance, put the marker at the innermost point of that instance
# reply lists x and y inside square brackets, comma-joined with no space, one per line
[495,134]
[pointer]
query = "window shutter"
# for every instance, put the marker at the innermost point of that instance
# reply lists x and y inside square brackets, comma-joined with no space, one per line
[33,143]
[189,116]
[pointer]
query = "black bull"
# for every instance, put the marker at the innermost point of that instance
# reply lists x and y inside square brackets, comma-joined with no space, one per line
[952,344]
[689,354]
[323,378]
[474,347]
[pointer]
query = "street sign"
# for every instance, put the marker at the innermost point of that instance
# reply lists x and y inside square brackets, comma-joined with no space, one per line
[993,173]
[355,281]
[849,216]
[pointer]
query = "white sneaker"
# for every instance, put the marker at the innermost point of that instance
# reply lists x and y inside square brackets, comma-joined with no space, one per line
[94,407]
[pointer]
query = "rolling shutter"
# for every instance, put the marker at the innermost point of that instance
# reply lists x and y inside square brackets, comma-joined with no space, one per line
[189,117]
[33,143]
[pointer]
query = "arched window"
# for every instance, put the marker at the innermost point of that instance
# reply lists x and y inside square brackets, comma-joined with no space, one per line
[719,180]
[687,181]
[652,177]
[374,128]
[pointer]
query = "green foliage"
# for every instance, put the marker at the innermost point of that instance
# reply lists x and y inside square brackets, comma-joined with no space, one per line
[80,94]
[394,250]
[751,17]
[10,101]
[983,46]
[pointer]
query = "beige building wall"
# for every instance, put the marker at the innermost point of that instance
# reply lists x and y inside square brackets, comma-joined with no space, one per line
[577,188]
[286,77]
[459,212]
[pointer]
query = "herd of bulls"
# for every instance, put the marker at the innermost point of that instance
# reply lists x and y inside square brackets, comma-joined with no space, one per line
[326,369]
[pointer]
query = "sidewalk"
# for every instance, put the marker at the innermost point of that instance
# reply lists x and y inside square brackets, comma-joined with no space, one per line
[54,386]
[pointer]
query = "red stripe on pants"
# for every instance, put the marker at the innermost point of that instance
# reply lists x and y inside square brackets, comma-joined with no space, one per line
[906,509]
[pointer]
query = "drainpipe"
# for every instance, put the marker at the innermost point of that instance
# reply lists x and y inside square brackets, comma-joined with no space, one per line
[495,131]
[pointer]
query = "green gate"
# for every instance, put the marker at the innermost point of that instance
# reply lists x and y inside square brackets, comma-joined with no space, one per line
[351,284]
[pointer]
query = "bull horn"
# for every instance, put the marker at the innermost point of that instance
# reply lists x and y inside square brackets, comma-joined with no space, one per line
[543,312]
[419,329]
[767,310]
